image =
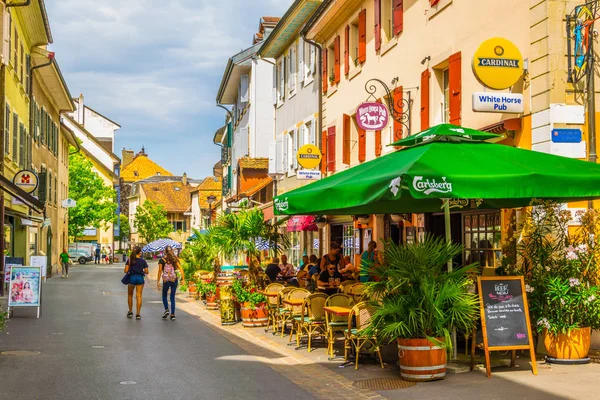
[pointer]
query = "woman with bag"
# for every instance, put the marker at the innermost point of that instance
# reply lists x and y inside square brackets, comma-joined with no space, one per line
[169,269]
[135,269]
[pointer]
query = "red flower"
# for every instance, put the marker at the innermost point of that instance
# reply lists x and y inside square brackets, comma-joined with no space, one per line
[253,290]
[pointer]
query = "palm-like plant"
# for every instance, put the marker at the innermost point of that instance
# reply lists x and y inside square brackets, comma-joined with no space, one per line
[418,298]
[241,232]
[202,252]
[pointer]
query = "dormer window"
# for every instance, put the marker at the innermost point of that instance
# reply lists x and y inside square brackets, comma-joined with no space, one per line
[135,173]
[158,174]
[177,189]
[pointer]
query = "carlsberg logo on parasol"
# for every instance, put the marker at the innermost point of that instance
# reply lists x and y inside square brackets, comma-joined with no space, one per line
[431,185]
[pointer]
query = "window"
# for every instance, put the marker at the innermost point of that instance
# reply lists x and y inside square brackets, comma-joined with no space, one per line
[292,69]
[178,226]
[446,96]
[348,240]
[281,76]
[310,133]
[55,189]
[309,61]
[42,124]
[482,235]
[27,70]
[21,65]
[292,150]
[16,59]
[49,186]
[354,43]
[387,19]
[22,146]
[331,63]
[7,130]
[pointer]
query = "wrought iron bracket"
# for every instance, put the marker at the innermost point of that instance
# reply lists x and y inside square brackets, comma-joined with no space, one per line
[400,111]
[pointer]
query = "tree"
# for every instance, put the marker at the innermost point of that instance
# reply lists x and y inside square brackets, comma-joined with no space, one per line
[125,229]
[96,201]
[151,221]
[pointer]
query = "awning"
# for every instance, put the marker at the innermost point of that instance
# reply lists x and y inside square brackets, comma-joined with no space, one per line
[25,197]
[508,125]
[301,223]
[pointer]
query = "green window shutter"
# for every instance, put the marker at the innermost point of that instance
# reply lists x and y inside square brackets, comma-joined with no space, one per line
[15,138]
[7,130]
[21,145]
[43,178]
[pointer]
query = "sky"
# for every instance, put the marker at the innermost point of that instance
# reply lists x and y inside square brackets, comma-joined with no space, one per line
[154,67]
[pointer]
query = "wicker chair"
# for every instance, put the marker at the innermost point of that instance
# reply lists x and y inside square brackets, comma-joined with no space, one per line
[288,312]
[336,323]
[273,303]
[356,292]
[346,285]
[355,338]
[312,319]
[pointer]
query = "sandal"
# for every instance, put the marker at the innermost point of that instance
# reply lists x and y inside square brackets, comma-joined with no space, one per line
[138,317]
[129,314]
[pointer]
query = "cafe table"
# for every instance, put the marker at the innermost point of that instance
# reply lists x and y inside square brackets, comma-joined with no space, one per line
[293,302]
[339,311]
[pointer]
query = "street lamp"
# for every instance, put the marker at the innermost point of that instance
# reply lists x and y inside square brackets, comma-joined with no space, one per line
[211,199]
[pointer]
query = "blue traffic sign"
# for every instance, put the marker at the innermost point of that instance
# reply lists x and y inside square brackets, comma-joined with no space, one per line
[566,135]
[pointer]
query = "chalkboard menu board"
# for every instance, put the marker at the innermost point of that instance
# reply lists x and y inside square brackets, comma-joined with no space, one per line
[505,317]
[504,313]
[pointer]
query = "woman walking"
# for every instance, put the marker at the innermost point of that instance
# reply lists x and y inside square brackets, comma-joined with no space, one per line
[169,269]
[137,267]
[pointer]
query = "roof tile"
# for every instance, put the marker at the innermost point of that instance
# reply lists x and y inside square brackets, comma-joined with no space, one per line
[174,196]
[141,168]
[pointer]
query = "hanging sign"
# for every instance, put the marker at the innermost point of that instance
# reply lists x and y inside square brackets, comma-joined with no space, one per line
[69,203]
[498,63]
[26,180]
[309,156]
[498,102]
[505,317]
[372,116]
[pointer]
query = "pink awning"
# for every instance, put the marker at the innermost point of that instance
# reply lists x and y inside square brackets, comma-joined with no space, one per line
[300,223]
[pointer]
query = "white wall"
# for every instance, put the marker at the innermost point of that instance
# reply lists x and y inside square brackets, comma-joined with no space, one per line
[195,217]
[261,113]
[91,146]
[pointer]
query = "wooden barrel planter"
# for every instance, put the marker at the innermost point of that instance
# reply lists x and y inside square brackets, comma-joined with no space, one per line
[253,317]
[211,301]
[222,281]
[421,360]
[192,289]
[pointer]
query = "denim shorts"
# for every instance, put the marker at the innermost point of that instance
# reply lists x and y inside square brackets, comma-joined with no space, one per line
[136,279]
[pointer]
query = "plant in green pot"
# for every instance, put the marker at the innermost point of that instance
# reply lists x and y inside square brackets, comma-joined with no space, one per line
[419,303]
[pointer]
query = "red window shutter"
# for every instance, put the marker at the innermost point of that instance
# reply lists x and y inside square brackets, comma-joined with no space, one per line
[362,36]
[331,149]
[324,66]
[346,133]
[362,145]
[377,5]
[433,2]
[347,50]
[399,107]
[398,16]
[455,84]
[336,57]
[425,99]
[324,152]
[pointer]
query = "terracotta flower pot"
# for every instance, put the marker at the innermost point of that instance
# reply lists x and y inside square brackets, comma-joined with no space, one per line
[254,316]
[571,346]
[192,290]
[421,360]
[211,301]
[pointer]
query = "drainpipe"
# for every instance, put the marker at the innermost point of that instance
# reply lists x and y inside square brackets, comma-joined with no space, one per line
[19,4]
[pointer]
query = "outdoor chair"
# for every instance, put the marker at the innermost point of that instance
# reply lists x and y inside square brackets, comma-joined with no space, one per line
[356,291]
[355,337]
[312,319]
[273,303]
[336,323]
[346,285]
[289,312]
[283,295]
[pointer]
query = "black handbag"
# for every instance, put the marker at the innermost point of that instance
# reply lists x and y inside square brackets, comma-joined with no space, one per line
[126,279]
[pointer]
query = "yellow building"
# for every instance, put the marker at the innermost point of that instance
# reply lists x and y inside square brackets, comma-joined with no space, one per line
[34,94]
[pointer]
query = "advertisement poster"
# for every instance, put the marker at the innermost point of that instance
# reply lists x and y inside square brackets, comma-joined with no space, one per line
[41,262]
[7,267]
[25,283]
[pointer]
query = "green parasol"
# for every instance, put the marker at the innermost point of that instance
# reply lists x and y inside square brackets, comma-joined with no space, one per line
[446,132]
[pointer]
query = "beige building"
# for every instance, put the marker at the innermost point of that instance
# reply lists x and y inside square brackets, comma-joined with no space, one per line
[423,52]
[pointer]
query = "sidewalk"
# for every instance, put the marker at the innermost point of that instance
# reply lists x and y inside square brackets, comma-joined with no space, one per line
[330,379]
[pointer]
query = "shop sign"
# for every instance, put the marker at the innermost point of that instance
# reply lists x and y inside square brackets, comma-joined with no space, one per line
[566,135]
[372,116]
[26,180]
[281,205]
[498,63]
[309,175]
[309,156]
[498,102]
[69,203]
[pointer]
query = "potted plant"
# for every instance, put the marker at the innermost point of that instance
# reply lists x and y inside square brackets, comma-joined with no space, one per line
[420,303]
[331,78]
[562,276]
[209,291]
[321,221]
[253,305]
[192,287]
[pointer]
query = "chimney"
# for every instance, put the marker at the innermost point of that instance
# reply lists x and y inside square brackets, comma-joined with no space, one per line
[126,157]
[80,111]
[184,179]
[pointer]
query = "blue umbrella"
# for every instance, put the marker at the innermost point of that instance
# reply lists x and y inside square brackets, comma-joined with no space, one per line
[161,244]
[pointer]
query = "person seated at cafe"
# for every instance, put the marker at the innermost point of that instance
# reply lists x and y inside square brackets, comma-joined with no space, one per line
[273,270]
[313,265]
[348,269]
[287,269]
[332,258]
[330,272]
[303,263]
